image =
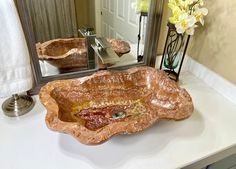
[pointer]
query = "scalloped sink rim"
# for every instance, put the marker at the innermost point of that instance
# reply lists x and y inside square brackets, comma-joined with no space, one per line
[162,91]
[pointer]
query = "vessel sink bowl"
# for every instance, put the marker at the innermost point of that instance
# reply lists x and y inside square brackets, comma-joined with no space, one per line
[72,52]
[120,47]
[64,53]
[96,107]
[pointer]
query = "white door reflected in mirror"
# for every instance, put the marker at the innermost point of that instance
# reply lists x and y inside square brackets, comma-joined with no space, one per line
[59,44]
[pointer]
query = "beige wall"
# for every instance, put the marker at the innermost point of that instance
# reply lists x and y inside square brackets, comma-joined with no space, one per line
[85,13]
[163,33]
[214,45]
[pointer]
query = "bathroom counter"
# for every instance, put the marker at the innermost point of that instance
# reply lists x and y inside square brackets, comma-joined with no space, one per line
[208,135]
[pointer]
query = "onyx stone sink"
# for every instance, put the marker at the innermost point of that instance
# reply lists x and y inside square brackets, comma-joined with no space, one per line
[64,53]
[120,47]
[96,107]
[72,52]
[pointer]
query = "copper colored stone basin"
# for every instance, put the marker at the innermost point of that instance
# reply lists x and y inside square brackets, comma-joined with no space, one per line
[64,53]
[121,47]
[72,52]
[94,108]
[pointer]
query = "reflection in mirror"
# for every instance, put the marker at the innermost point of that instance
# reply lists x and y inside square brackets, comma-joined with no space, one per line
[82,35]
[74,38]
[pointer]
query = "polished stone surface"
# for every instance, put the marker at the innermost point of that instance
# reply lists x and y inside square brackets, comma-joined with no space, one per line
[64,53]
[72,52]
[85,108]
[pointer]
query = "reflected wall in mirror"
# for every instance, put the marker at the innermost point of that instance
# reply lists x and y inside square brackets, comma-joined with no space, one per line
[73,38]
[59,45]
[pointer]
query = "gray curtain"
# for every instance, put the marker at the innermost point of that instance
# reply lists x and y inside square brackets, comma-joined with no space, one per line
[52,19]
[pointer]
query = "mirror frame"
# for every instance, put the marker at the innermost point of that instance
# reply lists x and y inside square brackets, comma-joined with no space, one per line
[150,48]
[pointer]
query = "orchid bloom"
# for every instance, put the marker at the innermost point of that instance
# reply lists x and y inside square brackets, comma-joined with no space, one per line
[186,13]
[199,13]
[176,14]
[186,24]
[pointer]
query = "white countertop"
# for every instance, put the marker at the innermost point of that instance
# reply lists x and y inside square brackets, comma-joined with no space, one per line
[26,143]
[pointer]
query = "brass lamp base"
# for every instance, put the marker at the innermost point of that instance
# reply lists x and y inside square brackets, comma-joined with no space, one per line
[17,105]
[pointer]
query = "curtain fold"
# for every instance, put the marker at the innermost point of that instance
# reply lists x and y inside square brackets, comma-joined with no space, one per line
[52,19]
[15,68]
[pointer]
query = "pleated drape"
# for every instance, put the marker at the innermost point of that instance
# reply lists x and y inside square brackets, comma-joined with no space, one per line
[52,19]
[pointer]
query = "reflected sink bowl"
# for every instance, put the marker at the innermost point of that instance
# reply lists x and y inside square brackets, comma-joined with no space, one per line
[64,53]
[120,47]
[96,107]
[72,52]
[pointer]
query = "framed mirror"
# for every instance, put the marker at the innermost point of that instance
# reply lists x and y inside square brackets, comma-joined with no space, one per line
[74,38]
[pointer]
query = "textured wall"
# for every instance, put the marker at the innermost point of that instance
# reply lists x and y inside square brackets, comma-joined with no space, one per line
[214,45]
[85,13]
[166,14]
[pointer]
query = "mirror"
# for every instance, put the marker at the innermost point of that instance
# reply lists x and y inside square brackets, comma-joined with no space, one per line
[74,38]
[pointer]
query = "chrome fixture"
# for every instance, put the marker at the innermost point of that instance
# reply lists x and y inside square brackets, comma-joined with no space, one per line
[104,51]
[118,115]
[89,35]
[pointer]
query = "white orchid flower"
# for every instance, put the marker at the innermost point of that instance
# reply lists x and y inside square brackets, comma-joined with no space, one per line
[190,31]
[200,2]
[199,13]
[186,14]
[186,24]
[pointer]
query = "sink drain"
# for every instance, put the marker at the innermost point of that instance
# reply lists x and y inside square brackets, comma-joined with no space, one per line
[118,115]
